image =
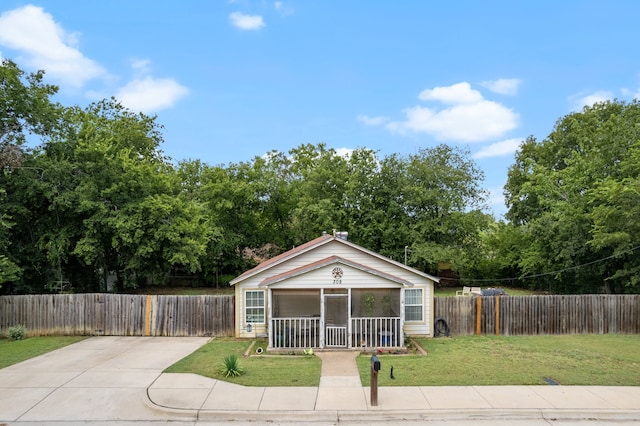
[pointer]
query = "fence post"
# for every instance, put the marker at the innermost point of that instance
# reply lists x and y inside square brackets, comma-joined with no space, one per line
[478,314]
[147,317]
[497,315]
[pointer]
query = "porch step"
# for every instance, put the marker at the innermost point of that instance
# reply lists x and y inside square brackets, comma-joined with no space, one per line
[339,369]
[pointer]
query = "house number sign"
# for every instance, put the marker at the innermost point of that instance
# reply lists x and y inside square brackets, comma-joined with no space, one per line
[337,273]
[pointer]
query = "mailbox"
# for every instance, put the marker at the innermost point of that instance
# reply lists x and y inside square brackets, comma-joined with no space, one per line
[375,367]
[375,363]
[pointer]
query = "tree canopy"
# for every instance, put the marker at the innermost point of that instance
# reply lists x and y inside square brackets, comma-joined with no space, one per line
[88,198]
[574,198]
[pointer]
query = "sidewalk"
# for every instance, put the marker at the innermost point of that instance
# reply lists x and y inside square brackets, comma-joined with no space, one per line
[119,380]
[341,396]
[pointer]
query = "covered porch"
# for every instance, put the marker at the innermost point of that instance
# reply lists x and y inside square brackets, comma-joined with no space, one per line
[335,318]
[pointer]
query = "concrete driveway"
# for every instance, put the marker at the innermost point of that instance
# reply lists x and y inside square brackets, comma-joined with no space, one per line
[98,379]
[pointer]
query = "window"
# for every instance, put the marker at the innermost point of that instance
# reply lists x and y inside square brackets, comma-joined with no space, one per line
[413,304]
[254,307]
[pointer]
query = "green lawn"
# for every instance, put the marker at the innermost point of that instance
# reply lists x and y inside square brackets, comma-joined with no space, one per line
[608,360]
[464,361]
[265,370]
[13,352]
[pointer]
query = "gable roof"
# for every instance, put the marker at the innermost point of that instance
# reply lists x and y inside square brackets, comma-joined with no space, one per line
[320,241]
[331,260]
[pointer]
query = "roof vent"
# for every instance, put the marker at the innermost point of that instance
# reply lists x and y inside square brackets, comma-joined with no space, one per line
[342,235]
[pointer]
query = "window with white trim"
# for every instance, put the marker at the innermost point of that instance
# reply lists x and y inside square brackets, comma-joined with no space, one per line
[413,304]
[254,306]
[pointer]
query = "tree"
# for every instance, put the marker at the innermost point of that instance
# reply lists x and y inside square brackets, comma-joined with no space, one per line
[25,108]
[26,111]
[443,199]
[564,192]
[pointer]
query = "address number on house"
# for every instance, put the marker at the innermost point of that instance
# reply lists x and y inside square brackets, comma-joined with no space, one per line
[337,273]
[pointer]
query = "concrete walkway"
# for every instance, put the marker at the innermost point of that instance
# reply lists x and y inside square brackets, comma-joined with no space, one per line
[119,380]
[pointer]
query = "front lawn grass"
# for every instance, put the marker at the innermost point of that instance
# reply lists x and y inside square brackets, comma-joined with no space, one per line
[263,370]
[15,351]
[607,360]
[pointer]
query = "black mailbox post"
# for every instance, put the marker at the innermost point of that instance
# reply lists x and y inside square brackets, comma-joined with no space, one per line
[375,367]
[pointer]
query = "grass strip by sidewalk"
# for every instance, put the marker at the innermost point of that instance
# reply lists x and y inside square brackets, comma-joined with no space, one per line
[604,360]
[263,370]
[15,351]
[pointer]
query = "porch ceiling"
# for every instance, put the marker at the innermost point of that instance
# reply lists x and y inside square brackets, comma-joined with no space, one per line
[331,260]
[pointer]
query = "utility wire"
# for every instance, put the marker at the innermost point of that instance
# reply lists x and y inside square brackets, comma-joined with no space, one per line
[542,274]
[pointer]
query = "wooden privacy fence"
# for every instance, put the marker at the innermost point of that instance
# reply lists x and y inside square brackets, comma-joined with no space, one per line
[140,315]
[536,315]
[119,315]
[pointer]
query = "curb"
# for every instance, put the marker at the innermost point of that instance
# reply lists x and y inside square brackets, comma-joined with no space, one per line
[337,416]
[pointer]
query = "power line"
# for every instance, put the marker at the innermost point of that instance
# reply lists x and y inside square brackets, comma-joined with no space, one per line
[542,274]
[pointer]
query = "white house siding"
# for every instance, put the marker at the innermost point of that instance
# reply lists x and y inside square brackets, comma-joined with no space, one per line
[353,277]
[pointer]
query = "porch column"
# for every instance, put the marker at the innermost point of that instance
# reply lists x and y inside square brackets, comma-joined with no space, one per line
[349,345]
[322,318]
[401,338]
[267,320]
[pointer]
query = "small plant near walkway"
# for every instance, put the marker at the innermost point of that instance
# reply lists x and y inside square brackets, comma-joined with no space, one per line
[231,366]
[17,333]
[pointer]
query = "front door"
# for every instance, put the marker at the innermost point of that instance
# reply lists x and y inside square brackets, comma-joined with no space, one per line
[336,316]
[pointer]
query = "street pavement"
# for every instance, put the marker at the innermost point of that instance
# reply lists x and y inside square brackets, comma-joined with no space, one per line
[119,381]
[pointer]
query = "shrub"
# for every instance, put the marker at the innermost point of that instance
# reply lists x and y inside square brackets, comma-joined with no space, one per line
[17,333]
[231,366]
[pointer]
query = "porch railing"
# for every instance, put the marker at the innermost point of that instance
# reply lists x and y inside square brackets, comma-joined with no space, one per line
[382,332]
[335,336]
[297,333]
[303,333]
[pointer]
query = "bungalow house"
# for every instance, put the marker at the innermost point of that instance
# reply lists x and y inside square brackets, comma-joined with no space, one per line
[331,293]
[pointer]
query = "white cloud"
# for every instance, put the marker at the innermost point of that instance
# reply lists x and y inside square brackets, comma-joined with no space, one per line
[372,121]
[149,94]
[44,44]
[499,149]
[467,118]
[246,22]
[141,66]
[283,9]
[344,152]
[503,86]
[460,93]
[580,101]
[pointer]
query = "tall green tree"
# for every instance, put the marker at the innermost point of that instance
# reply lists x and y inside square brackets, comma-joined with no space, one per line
[564,191]
[26,111]
[444,199]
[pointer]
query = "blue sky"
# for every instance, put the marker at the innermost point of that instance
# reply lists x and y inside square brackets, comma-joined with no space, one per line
[231,80]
